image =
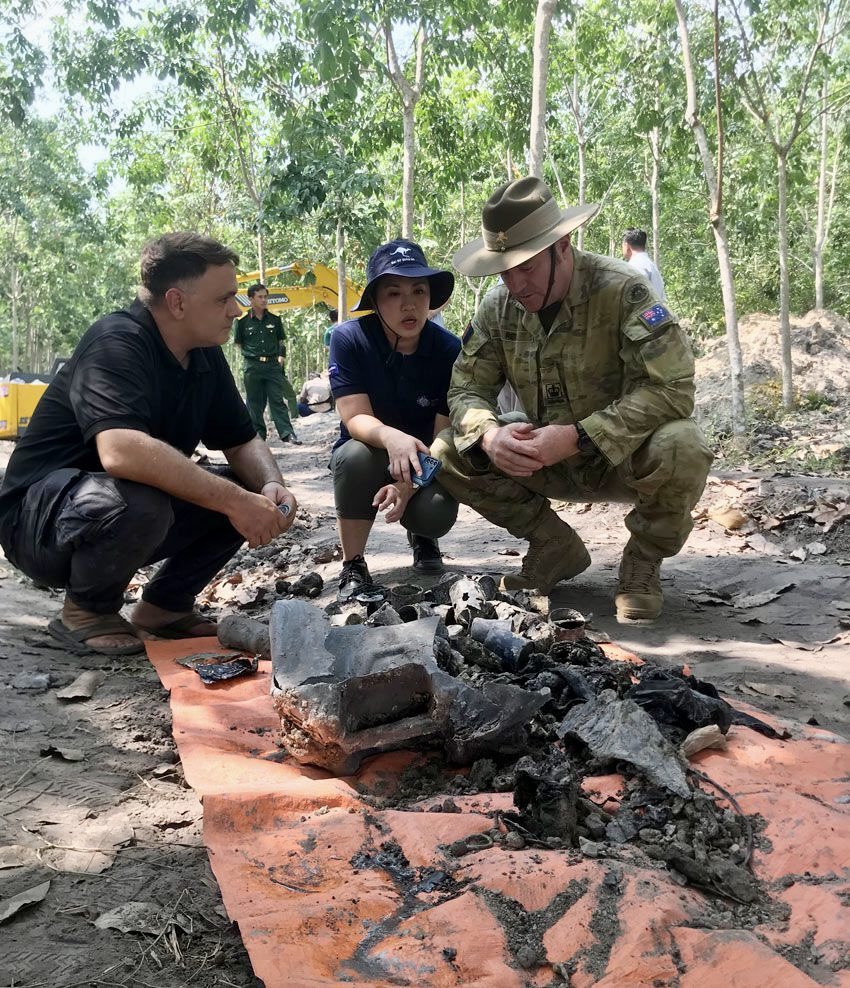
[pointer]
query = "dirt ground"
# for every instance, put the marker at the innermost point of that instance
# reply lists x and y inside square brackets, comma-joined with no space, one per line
[93,798]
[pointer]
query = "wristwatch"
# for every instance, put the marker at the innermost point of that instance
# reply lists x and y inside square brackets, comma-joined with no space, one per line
[585,443]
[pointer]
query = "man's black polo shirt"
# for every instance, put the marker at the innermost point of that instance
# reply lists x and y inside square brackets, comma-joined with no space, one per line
[407,391]
[123,376]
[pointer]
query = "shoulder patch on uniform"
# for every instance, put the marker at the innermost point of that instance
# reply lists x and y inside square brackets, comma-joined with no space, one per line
[657,316]
[467,334]
[333,370]
[637,293]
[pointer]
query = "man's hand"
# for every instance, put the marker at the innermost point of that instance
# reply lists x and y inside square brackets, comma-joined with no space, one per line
[511,450]
[283,498]
[259,519]
[393,498]
[403,452]
[553,443]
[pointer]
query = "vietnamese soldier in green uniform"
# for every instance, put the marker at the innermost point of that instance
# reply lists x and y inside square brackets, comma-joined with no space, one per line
[259,334]
[606,378]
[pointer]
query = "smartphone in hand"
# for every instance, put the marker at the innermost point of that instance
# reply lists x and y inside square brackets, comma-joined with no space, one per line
[430,468]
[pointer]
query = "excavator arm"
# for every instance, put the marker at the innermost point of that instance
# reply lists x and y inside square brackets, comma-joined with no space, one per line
[322,289]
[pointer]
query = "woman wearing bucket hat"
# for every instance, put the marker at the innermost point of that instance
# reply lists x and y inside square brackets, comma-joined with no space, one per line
[390,370]
[606,377]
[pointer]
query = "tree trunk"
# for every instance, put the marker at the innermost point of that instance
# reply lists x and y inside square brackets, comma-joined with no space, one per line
[261,257]
[31,347]
[539,78]
[14,284]
[341,291]
[817,251]
[409,93]
[655,151]
[727,278]
[825,201]
[409,162]
[581,144]
[582,183]
[784,286]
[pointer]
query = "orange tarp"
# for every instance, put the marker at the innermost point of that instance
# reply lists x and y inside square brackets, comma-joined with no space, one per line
[293,851]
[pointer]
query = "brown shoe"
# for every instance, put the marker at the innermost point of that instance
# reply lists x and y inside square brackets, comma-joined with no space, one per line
[639,596]
[555,553]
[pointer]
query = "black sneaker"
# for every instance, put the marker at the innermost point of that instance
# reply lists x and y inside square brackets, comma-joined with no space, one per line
[353,578]
[292,438]
[427,557]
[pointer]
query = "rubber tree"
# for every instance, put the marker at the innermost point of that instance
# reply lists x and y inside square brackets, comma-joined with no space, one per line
[409,91]
[588,81]
[829,159]
[539,78]
[714,183]
[783,51]
[827,184]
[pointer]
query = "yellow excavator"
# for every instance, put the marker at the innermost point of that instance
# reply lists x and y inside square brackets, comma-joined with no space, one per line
[322,287]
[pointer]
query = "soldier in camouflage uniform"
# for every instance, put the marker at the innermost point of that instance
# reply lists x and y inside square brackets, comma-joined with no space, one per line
[606,378]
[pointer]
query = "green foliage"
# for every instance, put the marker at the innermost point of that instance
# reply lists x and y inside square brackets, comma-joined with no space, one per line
[276,118]
[22,62]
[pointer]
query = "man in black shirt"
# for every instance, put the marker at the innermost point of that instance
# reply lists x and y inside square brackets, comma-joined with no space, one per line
[102,482]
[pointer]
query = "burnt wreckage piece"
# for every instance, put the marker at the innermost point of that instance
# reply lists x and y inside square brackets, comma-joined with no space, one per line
[464,667]
[344,693]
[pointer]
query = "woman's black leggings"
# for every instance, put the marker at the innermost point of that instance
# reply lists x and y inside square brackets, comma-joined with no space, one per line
[360,471]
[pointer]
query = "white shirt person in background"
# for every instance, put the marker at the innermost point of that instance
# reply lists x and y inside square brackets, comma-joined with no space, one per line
[634,251]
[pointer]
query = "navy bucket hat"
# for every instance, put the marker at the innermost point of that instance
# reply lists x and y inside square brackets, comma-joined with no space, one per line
[404,259]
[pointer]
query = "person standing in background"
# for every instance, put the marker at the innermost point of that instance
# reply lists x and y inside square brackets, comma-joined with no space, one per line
[333,319]
[259,335]
[634,252]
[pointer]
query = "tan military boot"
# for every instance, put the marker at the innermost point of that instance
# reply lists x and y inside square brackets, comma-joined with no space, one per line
[555,553]
[639,595]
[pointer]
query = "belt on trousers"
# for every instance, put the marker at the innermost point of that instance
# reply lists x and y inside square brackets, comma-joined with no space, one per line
[263,360]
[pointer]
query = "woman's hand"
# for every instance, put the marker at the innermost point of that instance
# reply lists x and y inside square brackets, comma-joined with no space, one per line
[393,499]
[403,452]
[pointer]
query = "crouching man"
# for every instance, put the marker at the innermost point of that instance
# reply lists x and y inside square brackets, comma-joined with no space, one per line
[103,484]
[605,377]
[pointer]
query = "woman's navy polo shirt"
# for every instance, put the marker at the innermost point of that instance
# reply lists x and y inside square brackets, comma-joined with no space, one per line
[407,391]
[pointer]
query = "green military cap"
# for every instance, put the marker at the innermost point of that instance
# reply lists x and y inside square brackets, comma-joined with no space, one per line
[519,220]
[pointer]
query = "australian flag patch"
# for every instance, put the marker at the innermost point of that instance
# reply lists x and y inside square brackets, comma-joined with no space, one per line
[656,316]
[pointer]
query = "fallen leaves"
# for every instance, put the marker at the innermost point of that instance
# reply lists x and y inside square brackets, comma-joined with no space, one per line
[730,518]
[30,897]
[82,846]
[748,600]
[83,687]
[768,689]
[143,917]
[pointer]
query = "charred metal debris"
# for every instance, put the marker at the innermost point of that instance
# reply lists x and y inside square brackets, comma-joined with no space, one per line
[530,704]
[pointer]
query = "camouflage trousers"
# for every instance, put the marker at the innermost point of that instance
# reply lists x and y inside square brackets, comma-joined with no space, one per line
[663,479]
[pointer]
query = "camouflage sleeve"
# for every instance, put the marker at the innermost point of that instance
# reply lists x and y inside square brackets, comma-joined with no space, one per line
[477,379]
[658,379]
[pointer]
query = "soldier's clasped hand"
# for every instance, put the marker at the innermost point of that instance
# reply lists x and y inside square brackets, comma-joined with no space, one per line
[511,450]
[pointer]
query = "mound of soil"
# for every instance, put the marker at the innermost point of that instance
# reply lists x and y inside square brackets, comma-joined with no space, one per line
[819,427]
